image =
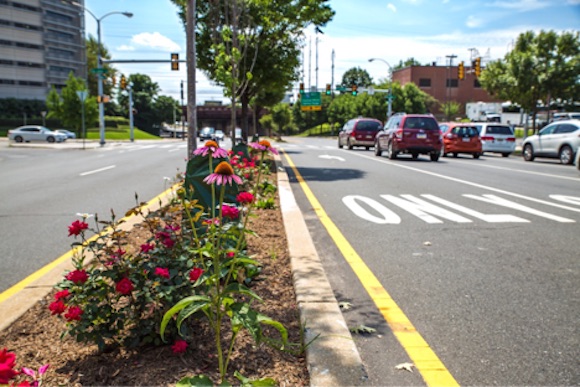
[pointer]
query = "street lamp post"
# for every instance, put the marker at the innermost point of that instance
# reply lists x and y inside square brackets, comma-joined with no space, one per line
[99,67]
[390,96]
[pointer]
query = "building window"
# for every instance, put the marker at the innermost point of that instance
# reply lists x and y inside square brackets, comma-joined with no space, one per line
[7,82]
[6,62]
[65,19]
[30,83]
[25,6]
[27,45]
[425,82]
[452,83]
[27,26]
[30,64]
[60,69]
[476,84]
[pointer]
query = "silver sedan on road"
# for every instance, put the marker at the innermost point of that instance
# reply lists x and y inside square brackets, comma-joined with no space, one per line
[29,133]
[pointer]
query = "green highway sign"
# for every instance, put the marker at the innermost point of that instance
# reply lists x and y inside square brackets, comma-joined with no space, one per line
[340,88]
[102,70]
[310,101]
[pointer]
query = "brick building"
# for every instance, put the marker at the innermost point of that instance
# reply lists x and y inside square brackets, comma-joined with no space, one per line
[442,83]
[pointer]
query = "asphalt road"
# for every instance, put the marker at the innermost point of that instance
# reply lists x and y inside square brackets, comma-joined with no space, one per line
[482,256]
[43,189]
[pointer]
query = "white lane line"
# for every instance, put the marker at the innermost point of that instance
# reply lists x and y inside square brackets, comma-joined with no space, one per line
[523,171]
[97,170]
[384,161]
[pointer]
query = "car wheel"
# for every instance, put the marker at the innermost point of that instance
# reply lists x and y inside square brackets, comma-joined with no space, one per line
[434,156]
[50,139]
[528,152]
[368,147]
[414,156]
[18,139]
[339,144]
[566,155]
[350,146]
[454,154]
[378,150]
[505,155]
[392,153]
[476,155]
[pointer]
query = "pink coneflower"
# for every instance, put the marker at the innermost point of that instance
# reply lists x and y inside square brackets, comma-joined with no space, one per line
[213,149]
[263,146]
[223,174]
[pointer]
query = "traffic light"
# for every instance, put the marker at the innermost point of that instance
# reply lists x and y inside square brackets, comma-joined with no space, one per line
[301,88]
[354,90]
[123,82]
[328,92]
[174,62]
[477,66]
[461,70]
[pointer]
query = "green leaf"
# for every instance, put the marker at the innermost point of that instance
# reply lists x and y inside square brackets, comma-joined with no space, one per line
[189,310]
[264,382]
[177,308]
[238,288]
[198,380]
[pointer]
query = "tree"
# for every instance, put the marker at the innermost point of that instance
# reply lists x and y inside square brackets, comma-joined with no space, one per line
[409,62]
[450,109]
[356,76]
[145,94]
[67,106]
[540,69]
[111,73]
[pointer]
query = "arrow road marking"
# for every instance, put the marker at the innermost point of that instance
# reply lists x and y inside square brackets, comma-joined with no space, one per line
[329,157]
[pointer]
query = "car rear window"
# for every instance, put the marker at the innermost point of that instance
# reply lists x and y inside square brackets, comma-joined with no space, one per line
[496,129]
[425,123]
[369,126]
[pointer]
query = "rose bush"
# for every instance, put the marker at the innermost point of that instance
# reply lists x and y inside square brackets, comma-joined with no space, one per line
[193,264]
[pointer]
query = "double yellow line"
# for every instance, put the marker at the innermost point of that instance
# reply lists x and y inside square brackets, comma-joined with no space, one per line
[424,358]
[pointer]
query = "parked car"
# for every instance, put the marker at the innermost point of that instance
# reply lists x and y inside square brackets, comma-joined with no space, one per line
[359,132]
[460,138]
[565,116]
[67,133]
[29,133]
[413,134]
[496,138]
[219,135]
[207,133]
[560,139]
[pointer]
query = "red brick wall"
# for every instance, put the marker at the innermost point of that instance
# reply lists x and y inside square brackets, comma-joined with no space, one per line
[465,92]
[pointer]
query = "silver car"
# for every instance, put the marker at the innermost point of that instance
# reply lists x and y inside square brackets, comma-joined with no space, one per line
[496,138]
[559,140]
[29,133]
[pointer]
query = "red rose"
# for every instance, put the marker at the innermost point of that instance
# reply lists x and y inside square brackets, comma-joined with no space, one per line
[74,313]
[62,294]
[179,347]
[125,286]
[57,307]
[147,247]
[7,358]
[77,276]
[230,212]
[6,373]
[195,273]
[77,227]
[162,272]
[245,198]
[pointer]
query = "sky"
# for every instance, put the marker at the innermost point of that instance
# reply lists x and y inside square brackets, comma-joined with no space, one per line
[391,30]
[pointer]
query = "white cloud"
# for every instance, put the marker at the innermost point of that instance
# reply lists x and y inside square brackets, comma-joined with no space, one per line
[520,5]
[473,22]
[124,47]
[392,7]
[156,41]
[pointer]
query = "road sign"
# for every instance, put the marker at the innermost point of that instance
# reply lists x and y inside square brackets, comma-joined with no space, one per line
[82,95]
[311,101]
[101,70]
[340,88]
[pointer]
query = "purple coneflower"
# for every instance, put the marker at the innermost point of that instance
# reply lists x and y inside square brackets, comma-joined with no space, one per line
[223,174]
[213,148]
[263,146]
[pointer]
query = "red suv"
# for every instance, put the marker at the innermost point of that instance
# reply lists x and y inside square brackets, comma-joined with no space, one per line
[410,133]
[359,132]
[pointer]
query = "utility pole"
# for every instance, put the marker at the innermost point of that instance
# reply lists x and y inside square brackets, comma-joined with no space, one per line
[332,89]
[191,67]
[450,57]
[310,65]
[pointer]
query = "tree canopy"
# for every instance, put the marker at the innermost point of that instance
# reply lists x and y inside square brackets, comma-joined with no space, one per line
[541,69]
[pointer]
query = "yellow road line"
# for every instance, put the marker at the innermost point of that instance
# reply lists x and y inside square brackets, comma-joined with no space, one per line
[68,255]
[426,361]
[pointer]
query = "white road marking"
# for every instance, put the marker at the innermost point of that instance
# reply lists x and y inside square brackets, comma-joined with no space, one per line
[97,170]
[524,197]
[422,209]
[523,171]
[387,216]
[329,157]
[494,218]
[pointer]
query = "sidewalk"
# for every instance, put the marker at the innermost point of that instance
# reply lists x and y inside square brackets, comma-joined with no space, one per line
[332,358]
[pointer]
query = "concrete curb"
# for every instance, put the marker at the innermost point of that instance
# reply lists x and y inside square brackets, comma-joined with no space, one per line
[332,357]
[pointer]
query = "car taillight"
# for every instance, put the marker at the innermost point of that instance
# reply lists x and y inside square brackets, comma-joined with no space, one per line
[511,139]
[487,138]
[353,134]
[399,133]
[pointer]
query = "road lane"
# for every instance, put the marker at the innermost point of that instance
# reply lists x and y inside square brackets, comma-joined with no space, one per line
[497,301]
